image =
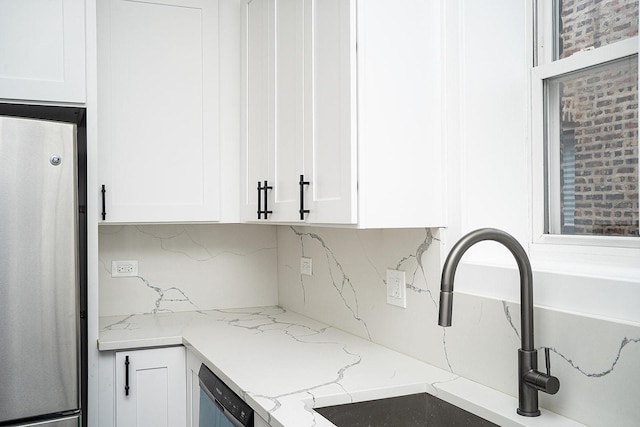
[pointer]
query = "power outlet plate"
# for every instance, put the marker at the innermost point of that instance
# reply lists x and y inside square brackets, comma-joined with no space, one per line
[396,288]
[306,266]
[124,268]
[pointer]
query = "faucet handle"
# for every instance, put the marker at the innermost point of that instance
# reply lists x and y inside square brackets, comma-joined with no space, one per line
[543,382]
[547,362]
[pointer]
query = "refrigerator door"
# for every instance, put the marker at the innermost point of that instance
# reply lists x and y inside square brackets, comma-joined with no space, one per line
[38,269]
[61,422]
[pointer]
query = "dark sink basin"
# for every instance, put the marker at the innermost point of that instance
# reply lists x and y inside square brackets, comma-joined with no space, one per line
[420,409]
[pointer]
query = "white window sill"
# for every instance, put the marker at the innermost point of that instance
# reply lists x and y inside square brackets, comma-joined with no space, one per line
[563,255]
[595,283]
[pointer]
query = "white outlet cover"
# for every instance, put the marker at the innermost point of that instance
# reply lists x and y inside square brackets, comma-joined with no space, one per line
[306,266]
[124,268]
[396,288]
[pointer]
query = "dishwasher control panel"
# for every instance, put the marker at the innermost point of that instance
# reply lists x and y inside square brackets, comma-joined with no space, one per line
[223,396]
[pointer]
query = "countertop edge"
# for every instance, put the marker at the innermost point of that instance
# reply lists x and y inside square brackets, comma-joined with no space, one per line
[136,344]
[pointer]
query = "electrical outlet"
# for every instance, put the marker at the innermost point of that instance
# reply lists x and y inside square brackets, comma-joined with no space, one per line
[396,288]
[124,268]
[306,266]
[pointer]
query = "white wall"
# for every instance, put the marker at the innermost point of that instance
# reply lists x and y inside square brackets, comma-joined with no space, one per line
[488,59]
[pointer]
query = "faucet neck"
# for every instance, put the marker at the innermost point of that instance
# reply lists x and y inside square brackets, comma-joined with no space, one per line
[524,267]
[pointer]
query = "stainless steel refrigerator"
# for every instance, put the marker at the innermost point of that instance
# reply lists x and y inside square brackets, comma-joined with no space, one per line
[40,269]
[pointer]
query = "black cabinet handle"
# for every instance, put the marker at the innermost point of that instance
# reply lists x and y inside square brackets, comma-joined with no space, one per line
[104,212]
[259,200]
[266,211]
[126,375]
[263,187]
[302,210]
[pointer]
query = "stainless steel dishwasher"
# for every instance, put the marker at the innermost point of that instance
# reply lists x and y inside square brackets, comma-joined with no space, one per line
[219,405]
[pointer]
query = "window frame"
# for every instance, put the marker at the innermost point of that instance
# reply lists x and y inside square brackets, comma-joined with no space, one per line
[544,67]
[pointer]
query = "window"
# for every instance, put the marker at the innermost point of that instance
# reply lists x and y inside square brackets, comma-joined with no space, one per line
[585,118]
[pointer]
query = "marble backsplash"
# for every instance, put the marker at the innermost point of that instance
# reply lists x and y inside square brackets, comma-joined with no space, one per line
[201,267]
[188,267]
[596,360]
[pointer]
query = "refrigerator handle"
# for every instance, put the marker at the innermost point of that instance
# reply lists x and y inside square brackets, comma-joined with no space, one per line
[126,376]
[104,213]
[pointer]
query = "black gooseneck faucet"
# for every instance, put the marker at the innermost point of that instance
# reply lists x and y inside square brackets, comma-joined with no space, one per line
[530,380]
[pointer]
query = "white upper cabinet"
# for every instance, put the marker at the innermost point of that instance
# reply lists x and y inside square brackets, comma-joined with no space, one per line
[42,50]
[160,104]
[350,98]
[330,125]
[298,112]
[259,104]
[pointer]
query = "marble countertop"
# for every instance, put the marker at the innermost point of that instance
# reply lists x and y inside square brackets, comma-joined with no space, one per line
[284,364]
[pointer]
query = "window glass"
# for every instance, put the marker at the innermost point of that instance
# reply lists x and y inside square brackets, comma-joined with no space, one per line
[590,24]
[592,137]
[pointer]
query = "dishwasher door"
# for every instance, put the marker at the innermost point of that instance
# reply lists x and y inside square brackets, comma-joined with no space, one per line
[219,405]
[212,413]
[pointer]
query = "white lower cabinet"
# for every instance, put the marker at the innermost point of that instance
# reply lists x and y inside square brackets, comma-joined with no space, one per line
[193,390]
[150,388]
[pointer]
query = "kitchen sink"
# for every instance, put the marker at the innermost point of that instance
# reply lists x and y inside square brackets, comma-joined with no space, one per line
[420,409]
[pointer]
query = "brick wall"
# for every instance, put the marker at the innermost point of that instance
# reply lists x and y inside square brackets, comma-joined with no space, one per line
[599,118]
[595,23]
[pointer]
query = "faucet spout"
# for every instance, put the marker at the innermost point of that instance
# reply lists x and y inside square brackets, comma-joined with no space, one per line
[529,379]
[524,267]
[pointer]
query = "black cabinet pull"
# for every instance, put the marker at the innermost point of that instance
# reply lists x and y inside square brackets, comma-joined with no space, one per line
[266,211]
[126,375]
[259,200]
[302,210]
[104,212]
[263,187]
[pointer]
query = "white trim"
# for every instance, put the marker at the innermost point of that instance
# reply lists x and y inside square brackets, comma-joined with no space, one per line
[531,7]
[537,155]
[553,140]
[545,32]
[606,263]
[577,288]
[94,403]
[590,58]
[576,62]
[462,120]
[597,241]
[609,259]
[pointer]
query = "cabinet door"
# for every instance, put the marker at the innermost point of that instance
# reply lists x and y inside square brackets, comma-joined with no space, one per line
[156,388]
[158,101]
[330,144]
[273,128]
[300,113]
[42,46]
[258,129]
[287,149]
